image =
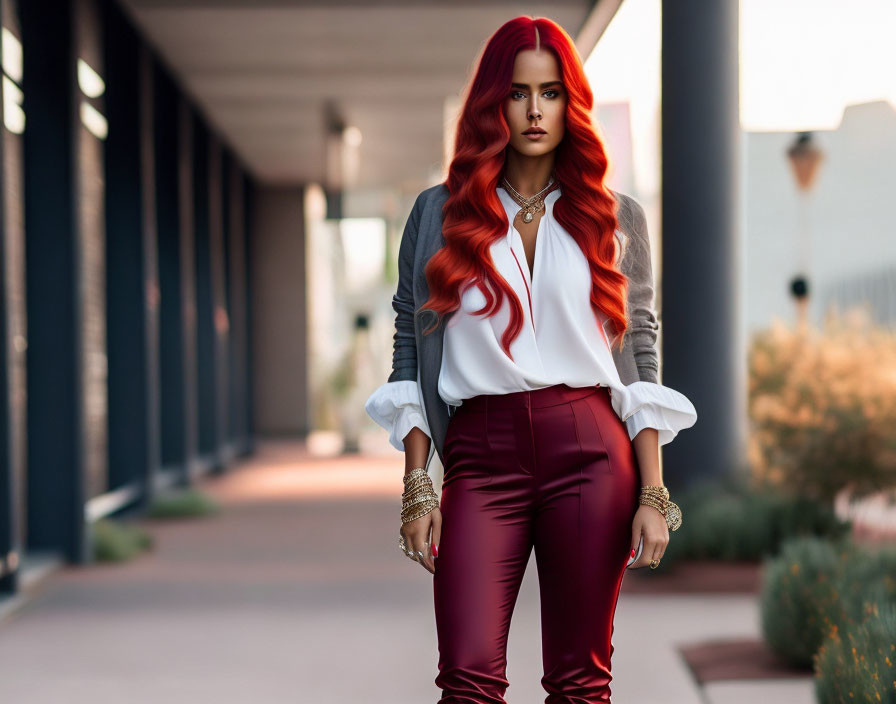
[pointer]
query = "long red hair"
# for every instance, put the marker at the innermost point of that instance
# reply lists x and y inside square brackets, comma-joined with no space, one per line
[473,215]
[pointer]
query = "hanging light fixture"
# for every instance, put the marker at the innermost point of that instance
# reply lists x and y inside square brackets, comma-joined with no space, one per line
[805,159]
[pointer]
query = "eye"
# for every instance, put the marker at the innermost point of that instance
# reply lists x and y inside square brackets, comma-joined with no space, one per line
[515,93]
[552,90]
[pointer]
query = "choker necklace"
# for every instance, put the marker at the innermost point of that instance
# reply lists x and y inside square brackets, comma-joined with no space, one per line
[530,206]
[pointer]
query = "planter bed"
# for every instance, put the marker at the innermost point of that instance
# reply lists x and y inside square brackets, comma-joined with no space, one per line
[694,576]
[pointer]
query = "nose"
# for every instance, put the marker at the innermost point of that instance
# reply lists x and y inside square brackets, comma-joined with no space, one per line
[534,112]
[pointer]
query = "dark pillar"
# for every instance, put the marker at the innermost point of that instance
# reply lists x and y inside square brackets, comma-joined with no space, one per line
[247,186]
[13,328]
[212,316]
[152,288]
[173,154]
[188,312]
[65,254]
[702,346]
[235,248]
[132,280]
[203,187]
[167,212]
[219,317]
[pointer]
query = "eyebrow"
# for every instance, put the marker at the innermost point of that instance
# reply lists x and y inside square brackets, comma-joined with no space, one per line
[543,85]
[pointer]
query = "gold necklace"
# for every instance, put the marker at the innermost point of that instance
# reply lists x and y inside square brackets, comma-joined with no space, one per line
[530,206]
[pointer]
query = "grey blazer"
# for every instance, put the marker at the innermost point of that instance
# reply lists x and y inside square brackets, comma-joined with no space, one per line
[418,357]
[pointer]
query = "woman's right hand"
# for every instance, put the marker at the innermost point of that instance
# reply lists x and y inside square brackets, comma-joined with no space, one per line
[420,534]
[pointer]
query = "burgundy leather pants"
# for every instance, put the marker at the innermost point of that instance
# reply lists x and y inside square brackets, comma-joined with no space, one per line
[554,470]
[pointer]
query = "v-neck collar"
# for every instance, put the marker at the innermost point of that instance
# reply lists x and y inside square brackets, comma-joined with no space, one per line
[514,236]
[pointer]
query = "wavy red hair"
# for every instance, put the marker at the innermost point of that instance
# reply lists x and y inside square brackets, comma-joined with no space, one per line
[473,216]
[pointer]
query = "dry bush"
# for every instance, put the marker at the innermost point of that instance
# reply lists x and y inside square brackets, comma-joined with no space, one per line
[822,407]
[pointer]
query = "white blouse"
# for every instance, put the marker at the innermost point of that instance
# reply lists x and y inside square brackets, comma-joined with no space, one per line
[561,341]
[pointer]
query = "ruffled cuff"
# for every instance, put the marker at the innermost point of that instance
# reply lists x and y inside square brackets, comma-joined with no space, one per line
[397,407]
[644,404]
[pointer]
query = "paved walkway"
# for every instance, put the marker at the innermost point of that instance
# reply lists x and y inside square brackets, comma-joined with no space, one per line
[296,592]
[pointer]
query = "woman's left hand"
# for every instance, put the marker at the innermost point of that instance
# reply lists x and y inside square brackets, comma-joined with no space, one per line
[650,523]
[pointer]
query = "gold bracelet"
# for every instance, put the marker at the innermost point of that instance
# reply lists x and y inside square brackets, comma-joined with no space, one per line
[658,498]
[414,474]
[419,497]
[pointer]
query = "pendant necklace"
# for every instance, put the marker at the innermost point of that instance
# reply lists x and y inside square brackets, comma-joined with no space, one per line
[530,206]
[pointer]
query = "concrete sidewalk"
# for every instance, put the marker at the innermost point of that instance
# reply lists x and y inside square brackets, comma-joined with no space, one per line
[297,592]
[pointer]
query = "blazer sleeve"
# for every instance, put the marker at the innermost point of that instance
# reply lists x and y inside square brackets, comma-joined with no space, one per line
[404,347]
[636,264]
[396,405]
[653,404]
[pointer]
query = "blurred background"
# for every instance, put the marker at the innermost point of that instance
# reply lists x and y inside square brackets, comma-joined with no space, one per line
[202,203]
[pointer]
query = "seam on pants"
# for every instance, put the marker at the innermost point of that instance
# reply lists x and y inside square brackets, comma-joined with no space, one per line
[581,463]
[600,432]
[532,436]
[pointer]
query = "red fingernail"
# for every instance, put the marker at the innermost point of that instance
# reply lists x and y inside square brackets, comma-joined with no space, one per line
[633,551]
[435,550]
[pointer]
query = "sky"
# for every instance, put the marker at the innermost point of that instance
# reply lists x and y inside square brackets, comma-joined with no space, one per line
[801,63]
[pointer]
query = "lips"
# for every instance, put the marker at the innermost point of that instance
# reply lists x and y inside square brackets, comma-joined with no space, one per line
[535,130]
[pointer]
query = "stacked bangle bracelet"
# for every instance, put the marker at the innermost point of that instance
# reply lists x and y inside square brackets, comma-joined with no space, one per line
[658,497]
[419,498]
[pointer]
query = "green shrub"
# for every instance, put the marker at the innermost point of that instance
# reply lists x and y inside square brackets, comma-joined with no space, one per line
[799,602]
[815,588]
[734,523]
[870,579]
[182,504]
[859,664]
[115,541]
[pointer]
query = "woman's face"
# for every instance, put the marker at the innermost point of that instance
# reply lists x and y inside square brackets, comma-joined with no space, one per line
[537,99]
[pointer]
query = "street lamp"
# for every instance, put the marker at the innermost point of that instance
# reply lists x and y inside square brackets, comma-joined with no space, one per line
[805,160]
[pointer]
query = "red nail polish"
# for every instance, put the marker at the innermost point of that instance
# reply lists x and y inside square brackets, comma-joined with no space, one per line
[435,550]
[633,552]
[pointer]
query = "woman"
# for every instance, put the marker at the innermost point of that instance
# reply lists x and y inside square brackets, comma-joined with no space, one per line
[537,383]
